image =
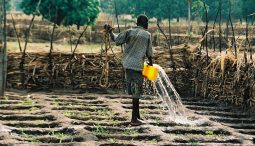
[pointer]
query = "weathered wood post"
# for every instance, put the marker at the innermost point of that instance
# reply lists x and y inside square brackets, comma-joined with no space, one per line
[3,56]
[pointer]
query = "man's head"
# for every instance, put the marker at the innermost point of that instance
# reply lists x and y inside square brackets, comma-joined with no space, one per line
[142,20]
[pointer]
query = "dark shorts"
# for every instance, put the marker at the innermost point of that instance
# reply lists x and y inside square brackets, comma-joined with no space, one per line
[134,81]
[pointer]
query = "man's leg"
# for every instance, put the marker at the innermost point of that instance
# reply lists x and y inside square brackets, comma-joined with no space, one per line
[135,101]
[136,90]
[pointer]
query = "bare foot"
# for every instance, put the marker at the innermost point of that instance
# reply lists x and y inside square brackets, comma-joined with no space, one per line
[137,122]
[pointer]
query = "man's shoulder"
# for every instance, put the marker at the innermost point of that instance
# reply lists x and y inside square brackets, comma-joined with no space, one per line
[144,31]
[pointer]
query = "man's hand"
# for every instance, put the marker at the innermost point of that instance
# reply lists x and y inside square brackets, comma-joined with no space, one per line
[150,61]
[108,27]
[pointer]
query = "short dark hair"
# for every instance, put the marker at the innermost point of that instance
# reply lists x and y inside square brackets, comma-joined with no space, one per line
[142,20]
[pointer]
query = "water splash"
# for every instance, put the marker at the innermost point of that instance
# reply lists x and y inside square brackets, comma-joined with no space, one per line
[171,99]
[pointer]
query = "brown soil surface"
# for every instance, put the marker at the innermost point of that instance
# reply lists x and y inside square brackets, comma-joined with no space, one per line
[69,118]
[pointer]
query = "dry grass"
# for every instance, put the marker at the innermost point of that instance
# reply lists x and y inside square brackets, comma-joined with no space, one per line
[63,48]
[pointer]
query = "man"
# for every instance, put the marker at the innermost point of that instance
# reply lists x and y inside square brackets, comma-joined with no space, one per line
[138,44]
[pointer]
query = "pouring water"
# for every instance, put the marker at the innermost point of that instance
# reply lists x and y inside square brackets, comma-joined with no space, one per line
[171,99]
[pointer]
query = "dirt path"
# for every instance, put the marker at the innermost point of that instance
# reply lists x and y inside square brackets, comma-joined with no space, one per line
[97,119]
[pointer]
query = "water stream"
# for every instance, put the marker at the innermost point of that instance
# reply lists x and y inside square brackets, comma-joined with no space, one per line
[172,101]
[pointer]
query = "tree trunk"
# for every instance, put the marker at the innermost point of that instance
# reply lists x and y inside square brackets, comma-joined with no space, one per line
[51,46]
[220,30]
[3,56]
[170,32]
[78,41]
[23,55]
[16,33]
[189,17]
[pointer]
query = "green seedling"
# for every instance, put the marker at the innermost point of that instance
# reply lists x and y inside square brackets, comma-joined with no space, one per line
[28,102]
[153,141]
[6,98]
[55,103]
[132,132]
[68,113]
[112,140]
[60,136]
[23,134]
[194,142]
[105,113]
[209,132]
[34,140]
[100,129]
[75,113]
[33,109]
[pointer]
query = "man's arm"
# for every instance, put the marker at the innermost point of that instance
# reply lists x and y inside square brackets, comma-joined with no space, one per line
[119,39]
[149,52]
[113,36]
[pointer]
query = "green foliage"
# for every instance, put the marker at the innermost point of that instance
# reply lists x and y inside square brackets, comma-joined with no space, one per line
[165,9]
[198,8]
[8,5]
[30,7]
[159,9]
[248,7]
[65,12]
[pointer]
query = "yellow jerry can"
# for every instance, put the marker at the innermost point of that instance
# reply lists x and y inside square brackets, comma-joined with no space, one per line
[150,72]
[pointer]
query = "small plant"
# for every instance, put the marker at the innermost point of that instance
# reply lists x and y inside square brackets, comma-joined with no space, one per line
[6,98]
[23,134]
[34,140]
[75,113]
[194,142]
[69,113]
[55,103]
[209,132]
[106,113]
[28,102]
[100,129]
[112,140]
[60,136]
[132,132]
[153,141]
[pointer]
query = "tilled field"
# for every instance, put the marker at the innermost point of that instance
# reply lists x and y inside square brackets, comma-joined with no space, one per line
[100,119]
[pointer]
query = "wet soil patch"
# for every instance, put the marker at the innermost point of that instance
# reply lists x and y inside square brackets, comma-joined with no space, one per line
[145,137]
[27,118]
[213,140]
[198,132]
[33,124]
[117,144]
